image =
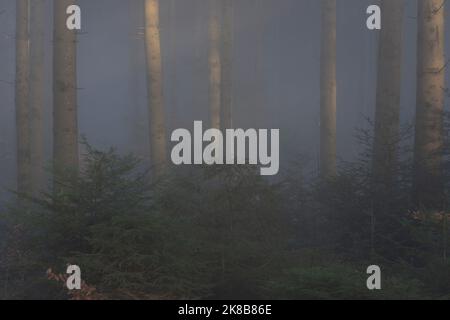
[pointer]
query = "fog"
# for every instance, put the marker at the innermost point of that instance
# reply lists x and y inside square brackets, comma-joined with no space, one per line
[276,82]
[287,82]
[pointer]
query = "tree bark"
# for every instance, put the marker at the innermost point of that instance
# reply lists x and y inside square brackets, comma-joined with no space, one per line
[172,56]
[37,95]
[65,116]
[259,61]
[22,96]
[387,114]
[215,65]
[155,86]
[428,183]
[227,70]
[139,123]
[328,90]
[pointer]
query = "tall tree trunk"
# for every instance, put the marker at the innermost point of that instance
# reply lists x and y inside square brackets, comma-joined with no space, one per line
[387,115]
[215,64]
[328,90]
[22,96]
[139,125]
[172,55]
[227,69]
[37,95]
[200,65]
[155,86]
[65,116]
[259,77]
[428,184]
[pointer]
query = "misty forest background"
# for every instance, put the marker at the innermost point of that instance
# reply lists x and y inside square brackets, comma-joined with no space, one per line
[84,149]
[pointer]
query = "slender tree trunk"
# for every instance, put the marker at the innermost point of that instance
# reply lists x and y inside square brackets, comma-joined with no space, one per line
[328,91]
[200,65]
[215,65]
[227,70]
[139,125]
[173,79]
[65,117]
[387,115]
[37,95]
[155,86]
[22,96]
[428,183]
[259,80]
[198,32]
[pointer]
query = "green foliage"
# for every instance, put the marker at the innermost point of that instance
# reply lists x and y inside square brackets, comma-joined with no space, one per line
[437,277]
[197,235]
[221,232]
[226,224]
[339,282]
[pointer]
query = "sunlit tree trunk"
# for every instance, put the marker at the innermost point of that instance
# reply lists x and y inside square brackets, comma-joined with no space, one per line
[328,90]
[138,121]
[37,95]
[215,64]
[22,96]
[387,115]
[227,67]
[65,117]
[172,100]
[155,86]
[428,183]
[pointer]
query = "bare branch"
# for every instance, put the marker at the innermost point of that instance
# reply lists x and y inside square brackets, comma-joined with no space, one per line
[435,11]
[7,82]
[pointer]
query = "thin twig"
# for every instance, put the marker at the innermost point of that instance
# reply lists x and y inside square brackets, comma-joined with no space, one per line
[7,82]
[435,11]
